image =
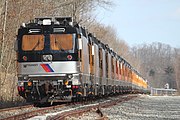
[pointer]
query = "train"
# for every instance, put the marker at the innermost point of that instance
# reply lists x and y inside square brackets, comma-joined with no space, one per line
[59,60]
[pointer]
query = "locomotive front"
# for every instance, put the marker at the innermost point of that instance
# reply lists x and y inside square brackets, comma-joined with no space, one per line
[47,60]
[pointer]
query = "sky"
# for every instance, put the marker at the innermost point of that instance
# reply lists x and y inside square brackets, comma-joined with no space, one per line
[144,21]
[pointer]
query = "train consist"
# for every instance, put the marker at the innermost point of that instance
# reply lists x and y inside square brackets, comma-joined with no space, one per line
[58,60]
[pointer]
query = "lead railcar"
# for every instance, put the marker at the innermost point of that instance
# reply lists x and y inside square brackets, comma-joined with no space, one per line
[58,60]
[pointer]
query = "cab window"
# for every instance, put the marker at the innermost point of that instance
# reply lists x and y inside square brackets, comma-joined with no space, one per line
[32,42]
[61,42]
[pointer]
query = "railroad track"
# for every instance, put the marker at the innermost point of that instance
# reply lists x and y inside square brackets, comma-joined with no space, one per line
[64,110]
[96,107]
[34,111]
[15,108]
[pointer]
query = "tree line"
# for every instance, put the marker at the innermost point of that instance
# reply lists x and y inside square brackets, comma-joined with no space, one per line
[159,64]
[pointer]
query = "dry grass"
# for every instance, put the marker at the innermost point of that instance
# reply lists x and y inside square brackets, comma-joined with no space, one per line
[8,91]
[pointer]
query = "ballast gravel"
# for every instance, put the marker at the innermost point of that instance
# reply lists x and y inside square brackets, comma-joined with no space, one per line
[144,107]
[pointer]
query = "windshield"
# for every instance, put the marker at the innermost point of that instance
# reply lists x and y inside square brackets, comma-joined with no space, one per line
[32,42]
[61,42]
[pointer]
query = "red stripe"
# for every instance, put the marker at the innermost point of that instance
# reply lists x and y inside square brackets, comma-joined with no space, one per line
[45,67]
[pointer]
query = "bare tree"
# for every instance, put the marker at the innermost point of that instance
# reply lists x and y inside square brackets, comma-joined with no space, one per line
[177,68]
[155,58]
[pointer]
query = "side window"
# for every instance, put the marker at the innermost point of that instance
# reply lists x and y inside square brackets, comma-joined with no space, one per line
[112,67]
[101,62]
[90,53]
[107,64]
[100,58]
[117,67]
[120,69]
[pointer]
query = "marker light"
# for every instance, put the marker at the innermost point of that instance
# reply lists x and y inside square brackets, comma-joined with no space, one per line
[69,57]
[22,88]
[20,83]
[70,76]
[75,87]
[24,58]
[19,88]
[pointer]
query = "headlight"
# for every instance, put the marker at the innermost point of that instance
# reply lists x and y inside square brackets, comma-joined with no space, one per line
[20,83]
[70,76]
[25,77]
[76,82]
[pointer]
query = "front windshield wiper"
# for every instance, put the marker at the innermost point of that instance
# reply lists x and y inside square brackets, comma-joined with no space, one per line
[37,44]
[59,45]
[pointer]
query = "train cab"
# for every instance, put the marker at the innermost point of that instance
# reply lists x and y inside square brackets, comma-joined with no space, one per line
[48,57]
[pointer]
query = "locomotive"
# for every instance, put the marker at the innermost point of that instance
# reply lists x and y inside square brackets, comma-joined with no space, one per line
[58,60]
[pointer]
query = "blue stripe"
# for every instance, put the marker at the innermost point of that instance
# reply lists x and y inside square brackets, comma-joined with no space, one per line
[50,68]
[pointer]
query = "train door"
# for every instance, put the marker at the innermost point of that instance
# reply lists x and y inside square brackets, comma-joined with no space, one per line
[100,66]
[106,70]
[122,70]
[117,69]
[91,67]
[96,67]
[109,72]
[130,77]
[85,58]
[117,76]
[84,63]
[91,61]
[104,82]
[100,70]
[114,74]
